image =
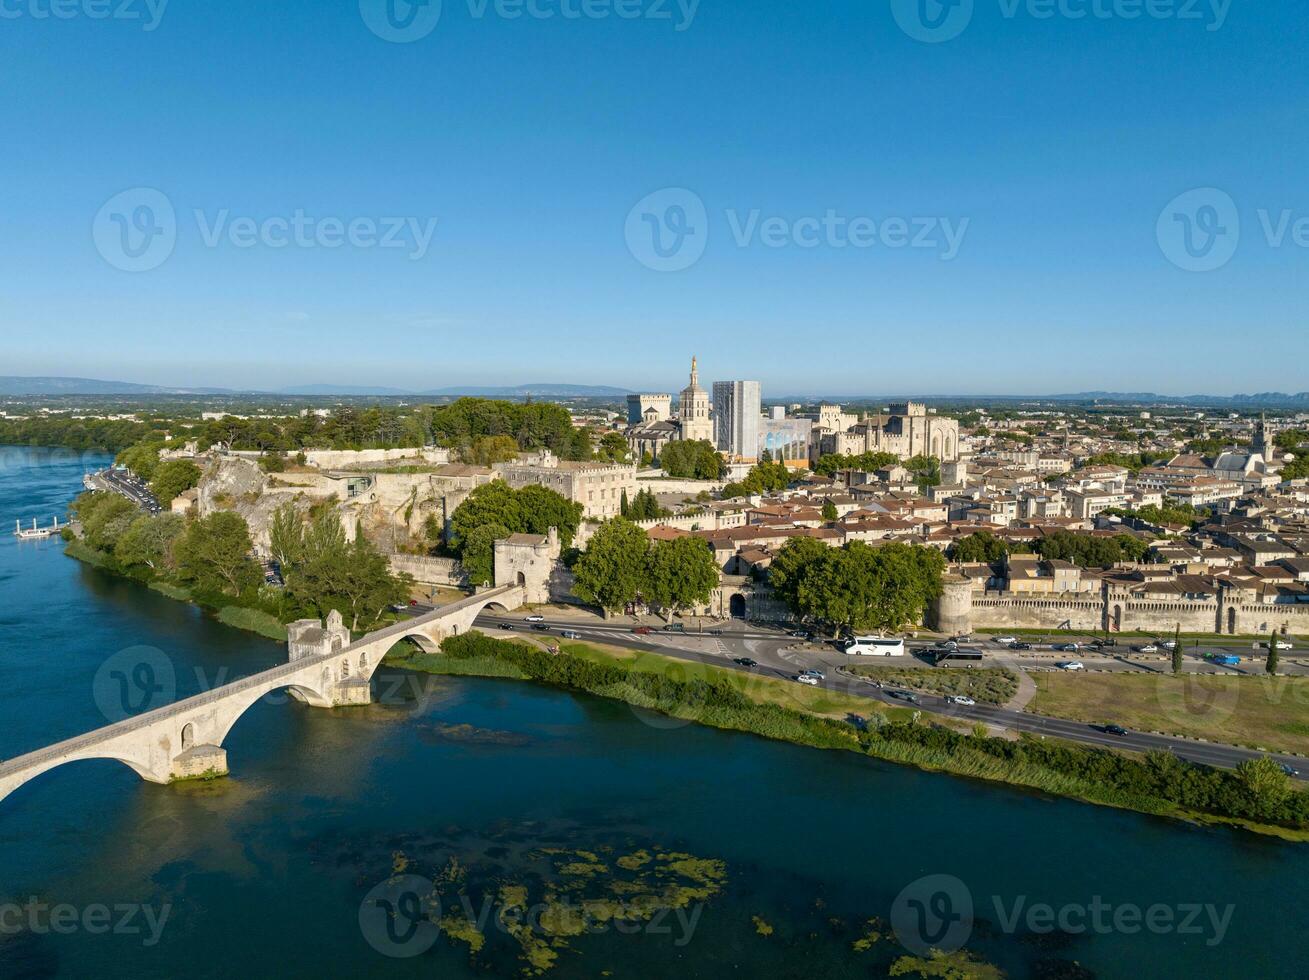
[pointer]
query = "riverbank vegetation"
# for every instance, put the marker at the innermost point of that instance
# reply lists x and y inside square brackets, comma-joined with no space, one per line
[1258,795]
[208,560]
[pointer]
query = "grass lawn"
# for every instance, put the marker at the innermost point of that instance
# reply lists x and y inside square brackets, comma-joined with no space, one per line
[1270,713]
[995,685]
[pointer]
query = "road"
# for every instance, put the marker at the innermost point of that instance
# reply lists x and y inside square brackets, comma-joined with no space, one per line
[125,483]
[782,657]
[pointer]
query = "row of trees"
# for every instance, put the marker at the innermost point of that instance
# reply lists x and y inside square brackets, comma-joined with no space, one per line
[857,587]
[832,463]
[1089,551]
[643,507]
[621,565]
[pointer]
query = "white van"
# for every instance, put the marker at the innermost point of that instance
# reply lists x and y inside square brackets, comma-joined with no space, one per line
[875,646]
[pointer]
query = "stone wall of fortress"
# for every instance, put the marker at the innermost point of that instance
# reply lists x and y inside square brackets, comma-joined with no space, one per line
[1095,613]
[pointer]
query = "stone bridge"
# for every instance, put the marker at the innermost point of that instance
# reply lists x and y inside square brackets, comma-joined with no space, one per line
[326,669]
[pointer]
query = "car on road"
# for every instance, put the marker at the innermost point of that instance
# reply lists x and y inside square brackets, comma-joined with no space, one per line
[800,635]
[1282,644]
[1070,665]
[1289,771]
[807,679]
[534,618]
[715,632]
[571,635]
[1118,730]
[1146,648]
[642,630]
[1102,644]
[745,661]
[1020,645]
[963,699]
[541,626]
[909,696]
[1065,647]
[1006,640]
[1223,659]
[674,628]
[810,672]
[1168,644]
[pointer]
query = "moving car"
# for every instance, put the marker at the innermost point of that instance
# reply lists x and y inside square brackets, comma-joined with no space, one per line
[534,618]
[1070,665]
[745,661]
[571,635]
[1282,644]
[909,696]
[807,679]
[963,699]
[1289,771]
[674,628]
[1225,659]
[1006,640]
[810,672]
[800,635]
[1066,647]
[541,626]
[1020,645]
[642,630]
[1146,648]
[1118,730]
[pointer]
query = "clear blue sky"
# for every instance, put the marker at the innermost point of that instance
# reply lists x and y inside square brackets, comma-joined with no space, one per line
[530,140]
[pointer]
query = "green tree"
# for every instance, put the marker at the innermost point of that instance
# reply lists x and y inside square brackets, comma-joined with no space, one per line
[611,571]
[141,459]
[833,463]
[173,478]
[613,447]
[980,546]
[286,538]
[149,541]
[830,512]
[680,573]
[1270,665]
[214,554]
[478,556]
[105,517]
[1264,781]
[1177,649]
[492,503]
[694,459]
[489,450]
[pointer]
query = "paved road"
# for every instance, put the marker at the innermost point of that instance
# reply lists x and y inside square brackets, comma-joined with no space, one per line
[782,657]
[125,483]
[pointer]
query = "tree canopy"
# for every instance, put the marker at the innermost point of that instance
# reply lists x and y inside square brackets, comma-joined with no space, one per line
[696,459]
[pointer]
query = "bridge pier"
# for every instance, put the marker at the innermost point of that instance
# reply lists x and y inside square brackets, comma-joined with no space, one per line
[200,761]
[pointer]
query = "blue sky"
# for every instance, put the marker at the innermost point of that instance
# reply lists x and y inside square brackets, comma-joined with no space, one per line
[1051,146]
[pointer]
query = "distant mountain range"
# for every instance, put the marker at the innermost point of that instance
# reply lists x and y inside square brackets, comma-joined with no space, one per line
[49,386]
[53,386]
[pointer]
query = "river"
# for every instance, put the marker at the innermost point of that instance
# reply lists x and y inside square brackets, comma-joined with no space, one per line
[497,788]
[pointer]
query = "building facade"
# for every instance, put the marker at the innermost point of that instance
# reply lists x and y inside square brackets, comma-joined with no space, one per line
[737,409]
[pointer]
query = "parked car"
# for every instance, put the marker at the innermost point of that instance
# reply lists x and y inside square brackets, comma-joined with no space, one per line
[1020,645]
[1146,648]
[1118,730]
[963,699]
[1070,665]
[807,679]
[642,630]
[1006,640]
[1066,647]
[534,618]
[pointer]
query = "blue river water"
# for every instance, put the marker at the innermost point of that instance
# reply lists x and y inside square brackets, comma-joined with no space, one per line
[479,787]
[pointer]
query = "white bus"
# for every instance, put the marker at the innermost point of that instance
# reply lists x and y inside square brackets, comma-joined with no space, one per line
[875,646]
